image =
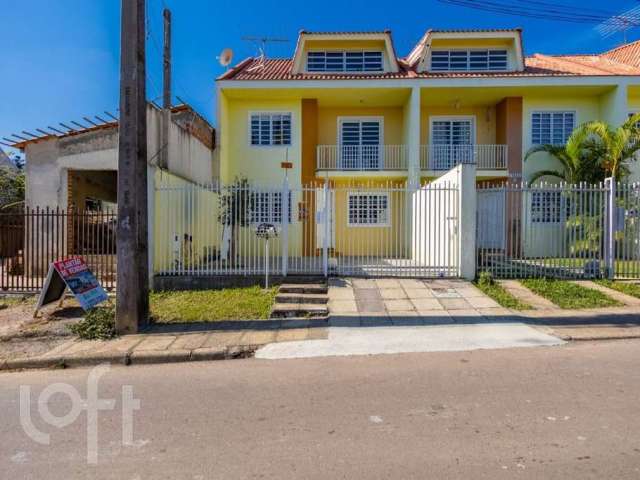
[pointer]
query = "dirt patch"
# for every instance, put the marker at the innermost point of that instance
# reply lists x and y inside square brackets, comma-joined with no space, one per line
[16,321]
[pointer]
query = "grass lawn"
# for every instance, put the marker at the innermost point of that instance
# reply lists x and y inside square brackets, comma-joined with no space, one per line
[248,303]
[500,295]
[567,294]
[628,288]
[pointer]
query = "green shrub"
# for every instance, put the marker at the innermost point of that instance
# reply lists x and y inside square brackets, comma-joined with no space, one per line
[98,324]
[485,278]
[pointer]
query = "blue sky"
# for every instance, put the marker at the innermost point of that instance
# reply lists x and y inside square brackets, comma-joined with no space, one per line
[59,60]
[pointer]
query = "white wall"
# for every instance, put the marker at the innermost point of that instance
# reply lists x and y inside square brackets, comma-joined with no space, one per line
[444,222]
[48,161]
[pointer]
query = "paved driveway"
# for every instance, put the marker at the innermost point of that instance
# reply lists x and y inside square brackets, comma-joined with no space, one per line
[391,297]
[404,315]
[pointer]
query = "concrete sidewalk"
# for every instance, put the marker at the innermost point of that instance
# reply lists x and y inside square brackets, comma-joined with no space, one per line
[176,343]
[367,317]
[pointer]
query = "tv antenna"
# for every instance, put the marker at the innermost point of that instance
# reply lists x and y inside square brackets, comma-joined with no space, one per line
[620,23]
[261,47]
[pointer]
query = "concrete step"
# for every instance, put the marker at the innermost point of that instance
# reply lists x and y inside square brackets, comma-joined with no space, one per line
[303,310]
[319,298]
[317,288]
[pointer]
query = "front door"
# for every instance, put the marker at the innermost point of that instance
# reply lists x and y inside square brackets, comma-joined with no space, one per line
[451,142]
[360,142]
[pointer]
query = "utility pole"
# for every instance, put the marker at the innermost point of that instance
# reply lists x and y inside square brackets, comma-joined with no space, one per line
[166,90]
[132,303]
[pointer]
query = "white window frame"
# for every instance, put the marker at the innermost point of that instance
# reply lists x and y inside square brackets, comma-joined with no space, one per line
[361,118]
[560,209]
[270,113]
[551,111]
[449,118]
[387,222]
[469,50]
[273,194]
[344,61]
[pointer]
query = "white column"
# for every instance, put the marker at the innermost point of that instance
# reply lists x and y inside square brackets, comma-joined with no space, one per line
[413,136]
[614,106]
[467,221]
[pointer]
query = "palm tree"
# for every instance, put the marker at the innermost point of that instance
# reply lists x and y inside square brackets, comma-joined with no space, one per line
[579,158]
[618,145]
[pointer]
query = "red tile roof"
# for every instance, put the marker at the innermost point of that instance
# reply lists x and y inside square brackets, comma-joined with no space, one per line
[580,65]
[629,54]
[535,66]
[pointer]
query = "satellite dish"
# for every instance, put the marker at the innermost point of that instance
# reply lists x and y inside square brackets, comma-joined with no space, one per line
[225,57]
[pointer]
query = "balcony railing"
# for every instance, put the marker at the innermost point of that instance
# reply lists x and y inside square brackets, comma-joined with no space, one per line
[444,157]
[362,157]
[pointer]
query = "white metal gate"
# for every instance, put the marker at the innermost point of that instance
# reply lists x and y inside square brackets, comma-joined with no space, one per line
[372,230]
[563,231]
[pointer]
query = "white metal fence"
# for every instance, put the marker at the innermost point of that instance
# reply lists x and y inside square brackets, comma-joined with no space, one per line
[445,157]
[370,230]
[563,231]
[362,157]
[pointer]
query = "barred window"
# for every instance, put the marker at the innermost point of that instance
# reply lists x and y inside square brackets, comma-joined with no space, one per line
[267,207]
[344,61]
[552,127]
[468,60]
[368,209]
[270,129]
[548,207]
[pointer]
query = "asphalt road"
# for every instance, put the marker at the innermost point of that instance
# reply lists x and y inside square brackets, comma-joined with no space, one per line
[549,412]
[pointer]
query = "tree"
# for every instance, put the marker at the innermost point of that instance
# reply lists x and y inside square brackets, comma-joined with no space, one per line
[618,146]
[12,187]
[580,159]
[235,208]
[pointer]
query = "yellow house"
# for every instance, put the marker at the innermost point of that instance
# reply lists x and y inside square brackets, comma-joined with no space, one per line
[346,110]
[378,153]
[346,107]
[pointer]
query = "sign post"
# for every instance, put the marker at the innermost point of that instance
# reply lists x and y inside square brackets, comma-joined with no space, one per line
[74,274]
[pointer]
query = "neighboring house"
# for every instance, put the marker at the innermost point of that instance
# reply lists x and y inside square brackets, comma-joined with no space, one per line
[346,106]
[628,53]
[79,168]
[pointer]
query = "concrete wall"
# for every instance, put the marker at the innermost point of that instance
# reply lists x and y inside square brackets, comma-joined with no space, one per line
[49,161]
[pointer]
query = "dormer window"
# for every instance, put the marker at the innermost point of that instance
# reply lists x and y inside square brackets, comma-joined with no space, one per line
[344,61]
[468,60]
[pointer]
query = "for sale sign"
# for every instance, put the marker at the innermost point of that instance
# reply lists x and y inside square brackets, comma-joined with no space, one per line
[74,274]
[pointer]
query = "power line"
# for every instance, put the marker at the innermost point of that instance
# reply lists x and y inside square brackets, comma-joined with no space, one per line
[550,11]
[155,43]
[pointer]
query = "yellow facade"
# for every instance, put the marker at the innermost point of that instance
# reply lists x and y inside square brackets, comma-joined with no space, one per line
[586,109]
[329,117]
[259,163]
[484,119]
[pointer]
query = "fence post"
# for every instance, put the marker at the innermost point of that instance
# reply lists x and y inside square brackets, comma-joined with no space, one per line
[285,225]
[466,217]
[325,239]
[610,226]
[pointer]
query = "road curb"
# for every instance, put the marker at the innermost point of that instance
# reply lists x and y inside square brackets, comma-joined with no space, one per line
[594,338]
[150,357]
